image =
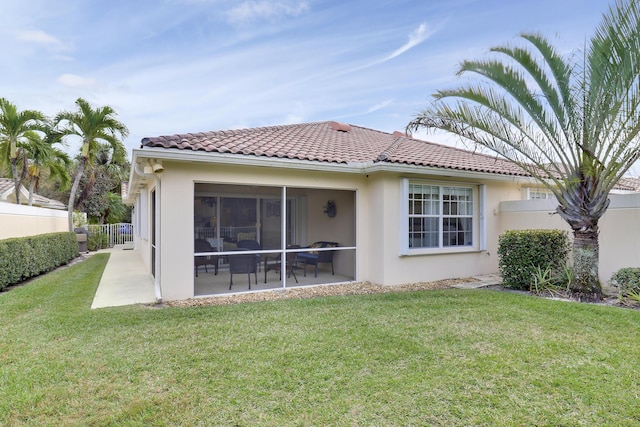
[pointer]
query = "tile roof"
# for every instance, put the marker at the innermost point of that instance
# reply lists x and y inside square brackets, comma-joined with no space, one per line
[336,143]
[7,184]
[628,184]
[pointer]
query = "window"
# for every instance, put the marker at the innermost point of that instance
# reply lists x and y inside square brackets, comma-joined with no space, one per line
[440,216]
[539,193]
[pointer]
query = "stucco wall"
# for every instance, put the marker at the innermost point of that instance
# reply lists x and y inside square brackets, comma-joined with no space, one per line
[22,221]
[176,205]
[388,267]
[619,242]
[374,203]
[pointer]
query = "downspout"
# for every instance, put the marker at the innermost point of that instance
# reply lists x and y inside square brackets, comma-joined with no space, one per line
[157,279]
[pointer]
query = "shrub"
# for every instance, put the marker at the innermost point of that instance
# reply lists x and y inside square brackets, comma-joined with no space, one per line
[25,257]
[523,254]
[98,241]
[627,281]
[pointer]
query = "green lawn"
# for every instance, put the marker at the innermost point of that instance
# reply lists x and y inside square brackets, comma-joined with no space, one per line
[451,358]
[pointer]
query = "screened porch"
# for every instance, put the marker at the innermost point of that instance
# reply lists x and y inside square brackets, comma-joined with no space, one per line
[272,237]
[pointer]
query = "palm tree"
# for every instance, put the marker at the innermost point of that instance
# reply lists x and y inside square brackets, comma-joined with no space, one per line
[13,126]
[44,156]
[570,123]
[94,127]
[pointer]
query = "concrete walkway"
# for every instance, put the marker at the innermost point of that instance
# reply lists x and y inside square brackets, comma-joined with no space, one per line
[124,281]
[482,282]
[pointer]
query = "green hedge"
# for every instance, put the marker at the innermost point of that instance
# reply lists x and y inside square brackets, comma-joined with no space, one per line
[522,253]
[25,257]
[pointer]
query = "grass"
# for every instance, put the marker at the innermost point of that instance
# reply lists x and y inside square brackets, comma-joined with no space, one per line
[451,358]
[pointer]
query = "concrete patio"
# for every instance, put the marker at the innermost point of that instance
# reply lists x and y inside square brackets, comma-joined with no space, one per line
[125,282]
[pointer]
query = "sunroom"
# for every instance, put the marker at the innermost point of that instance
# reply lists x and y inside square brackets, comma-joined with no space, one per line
[261,237]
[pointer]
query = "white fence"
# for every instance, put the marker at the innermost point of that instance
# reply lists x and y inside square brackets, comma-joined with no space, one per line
[22,221]
[118,234]
[619,238]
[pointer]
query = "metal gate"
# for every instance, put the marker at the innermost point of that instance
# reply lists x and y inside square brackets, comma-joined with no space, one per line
[112,234]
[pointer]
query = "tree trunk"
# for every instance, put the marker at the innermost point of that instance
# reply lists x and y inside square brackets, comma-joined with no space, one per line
[16,179]
[32,188]
[74,190]
[586,283]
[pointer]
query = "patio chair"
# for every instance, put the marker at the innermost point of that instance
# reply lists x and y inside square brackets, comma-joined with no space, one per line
[317,257]
[201,245]
[291,266]
[251,245]
[240,264]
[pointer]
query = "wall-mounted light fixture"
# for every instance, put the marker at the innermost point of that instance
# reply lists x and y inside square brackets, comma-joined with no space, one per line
[330,209]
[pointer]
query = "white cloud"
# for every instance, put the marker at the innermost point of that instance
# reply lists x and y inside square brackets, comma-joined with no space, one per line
[419,35]
[75,81]
[250,11]
[380,106]
[42,38]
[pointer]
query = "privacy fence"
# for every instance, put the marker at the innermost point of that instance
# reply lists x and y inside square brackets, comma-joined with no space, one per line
[23,221]
[619,235]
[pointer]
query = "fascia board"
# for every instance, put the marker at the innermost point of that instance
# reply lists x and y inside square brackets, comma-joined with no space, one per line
[243,160]
[355,167]
[449,173]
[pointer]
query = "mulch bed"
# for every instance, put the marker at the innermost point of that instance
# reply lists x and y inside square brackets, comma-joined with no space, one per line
[363,288]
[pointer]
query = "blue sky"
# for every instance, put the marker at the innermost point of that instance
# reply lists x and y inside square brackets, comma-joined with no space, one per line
[178,66]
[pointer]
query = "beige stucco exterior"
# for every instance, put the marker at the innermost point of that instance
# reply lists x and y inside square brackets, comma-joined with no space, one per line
[619,245]
[374,198]
[22,221]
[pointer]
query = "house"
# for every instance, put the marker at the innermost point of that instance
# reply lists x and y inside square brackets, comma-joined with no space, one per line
[395,209]
[7,194]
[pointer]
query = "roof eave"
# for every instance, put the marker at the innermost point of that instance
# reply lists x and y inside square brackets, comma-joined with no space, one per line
[444,172]
[244,160]
[141,155]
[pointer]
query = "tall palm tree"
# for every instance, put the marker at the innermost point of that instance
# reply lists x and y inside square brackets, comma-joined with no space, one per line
[44,156]
[94,127]
[572,123]
[13,126]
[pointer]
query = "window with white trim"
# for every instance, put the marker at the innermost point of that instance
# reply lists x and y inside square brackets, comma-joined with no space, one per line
[539,194]
[440,216]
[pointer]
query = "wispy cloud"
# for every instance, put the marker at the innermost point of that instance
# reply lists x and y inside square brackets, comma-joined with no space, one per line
[42,38]
[380,106]
[250,11]
[418,35]
[75,81]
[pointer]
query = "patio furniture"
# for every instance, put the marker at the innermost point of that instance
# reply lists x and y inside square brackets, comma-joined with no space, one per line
[316,257]
[242,263]
[250,245]
[201,245]
[277,264]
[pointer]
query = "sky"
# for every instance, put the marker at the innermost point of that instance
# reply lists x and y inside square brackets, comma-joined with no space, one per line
[182,66]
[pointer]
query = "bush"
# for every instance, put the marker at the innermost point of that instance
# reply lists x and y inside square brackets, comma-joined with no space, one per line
[627,281]
[98,241]
[523,254]
[25,257]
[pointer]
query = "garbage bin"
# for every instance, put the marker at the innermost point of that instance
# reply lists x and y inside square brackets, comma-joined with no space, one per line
[83,245]
[82,236]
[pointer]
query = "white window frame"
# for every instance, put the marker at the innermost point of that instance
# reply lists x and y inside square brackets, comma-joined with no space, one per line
[544,192]
[478,219]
